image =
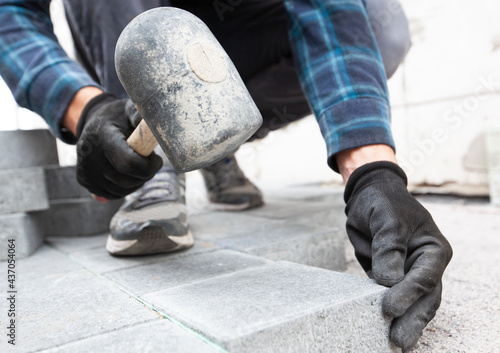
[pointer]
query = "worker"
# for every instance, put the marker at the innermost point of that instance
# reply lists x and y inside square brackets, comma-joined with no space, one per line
[330,57]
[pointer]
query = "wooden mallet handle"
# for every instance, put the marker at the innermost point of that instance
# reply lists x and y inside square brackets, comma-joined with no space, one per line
[142,140]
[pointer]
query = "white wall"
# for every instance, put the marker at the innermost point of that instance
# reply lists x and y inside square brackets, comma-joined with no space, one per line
[14,117]
[445,95]
[448,92]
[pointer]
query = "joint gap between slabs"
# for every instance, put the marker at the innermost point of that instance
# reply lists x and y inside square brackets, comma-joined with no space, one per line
[179,324]
[95,335]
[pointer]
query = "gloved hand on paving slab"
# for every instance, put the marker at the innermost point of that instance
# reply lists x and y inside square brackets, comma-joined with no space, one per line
[398,244]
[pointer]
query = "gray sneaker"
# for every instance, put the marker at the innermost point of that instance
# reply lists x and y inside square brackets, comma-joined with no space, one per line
[153,219]
[228,188]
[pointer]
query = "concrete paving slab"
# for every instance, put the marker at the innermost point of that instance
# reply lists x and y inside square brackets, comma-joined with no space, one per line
[283,307]
[76,217]
[275,239]
[69,245]
[45,263]
[278,209]
[214,225]
[100,261]
[62,184]
[156,336]
[27,148]
[58,303]
[182,270]
[298,243]
[318,213]
[24,229]
[325,216]
[23,190]
[306,192]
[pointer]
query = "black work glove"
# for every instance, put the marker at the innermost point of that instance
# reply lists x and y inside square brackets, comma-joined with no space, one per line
[398,244]
[106,165]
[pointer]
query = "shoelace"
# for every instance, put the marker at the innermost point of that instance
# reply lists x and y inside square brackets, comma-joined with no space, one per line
[163,187]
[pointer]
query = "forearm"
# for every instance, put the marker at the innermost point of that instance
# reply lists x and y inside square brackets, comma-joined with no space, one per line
[349,160]
[37,70]
[343,78]
[75,108]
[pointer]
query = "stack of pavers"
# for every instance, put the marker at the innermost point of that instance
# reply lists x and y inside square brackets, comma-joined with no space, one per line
[39,198]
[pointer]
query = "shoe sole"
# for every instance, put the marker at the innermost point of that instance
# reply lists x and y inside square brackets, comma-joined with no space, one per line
[147,245]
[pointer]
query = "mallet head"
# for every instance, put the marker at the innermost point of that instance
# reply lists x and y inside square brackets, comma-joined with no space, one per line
[185,87]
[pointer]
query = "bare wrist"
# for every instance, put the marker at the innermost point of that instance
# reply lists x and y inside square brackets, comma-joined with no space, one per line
[349,160]
[75,108]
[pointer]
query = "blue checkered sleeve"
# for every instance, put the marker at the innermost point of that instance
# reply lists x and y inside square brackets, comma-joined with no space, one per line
[341,72]
[37,70]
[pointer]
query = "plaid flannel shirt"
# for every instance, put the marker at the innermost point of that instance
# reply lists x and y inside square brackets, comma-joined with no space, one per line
[340,71]
[40,75]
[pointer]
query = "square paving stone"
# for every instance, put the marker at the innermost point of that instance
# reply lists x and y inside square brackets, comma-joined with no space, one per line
[77,217]
[27,148]
[181,270]
[58,302]
[316,213]
[100,261]
[69,245]
[298,243]
[24,229]
[215,225]
[62,184]
[156,336]
[286,209]
[283,307]
[307,193]
[45,263]
[23,190]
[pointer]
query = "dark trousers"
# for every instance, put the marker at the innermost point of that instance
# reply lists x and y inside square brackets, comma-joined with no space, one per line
[253,33]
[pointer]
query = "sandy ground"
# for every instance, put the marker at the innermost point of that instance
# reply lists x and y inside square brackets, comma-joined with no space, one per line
[469,317]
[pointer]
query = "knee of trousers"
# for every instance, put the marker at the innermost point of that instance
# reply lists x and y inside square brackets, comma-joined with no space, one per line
[392,33]
[278,95]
